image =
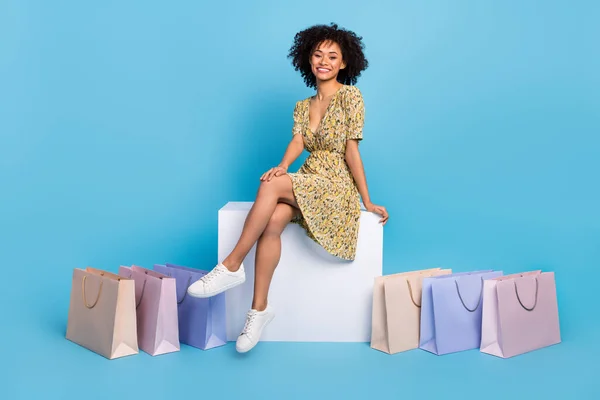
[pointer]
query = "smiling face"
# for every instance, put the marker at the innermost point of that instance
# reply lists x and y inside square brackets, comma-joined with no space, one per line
[326,61]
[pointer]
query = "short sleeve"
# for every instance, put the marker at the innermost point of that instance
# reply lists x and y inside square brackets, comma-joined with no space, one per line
[355,114]
[297,128]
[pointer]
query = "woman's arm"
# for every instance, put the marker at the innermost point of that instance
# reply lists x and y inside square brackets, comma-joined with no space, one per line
[357,169]
[293,151]
[355,164]
[355,112]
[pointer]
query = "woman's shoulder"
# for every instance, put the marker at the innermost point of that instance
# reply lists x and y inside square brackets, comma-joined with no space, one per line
[303,102]
[352,91]
[351,96]
[300,103]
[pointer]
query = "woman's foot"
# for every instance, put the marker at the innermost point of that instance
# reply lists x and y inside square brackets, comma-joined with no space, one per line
[256,321]
[217,281]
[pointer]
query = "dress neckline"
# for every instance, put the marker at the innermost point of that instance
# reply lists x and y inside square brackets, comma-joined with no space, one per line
[325,114]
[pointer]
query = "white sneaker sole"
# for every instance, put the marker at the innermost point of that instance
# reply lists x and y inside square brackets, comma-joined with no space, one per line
[218,291]
[260,334]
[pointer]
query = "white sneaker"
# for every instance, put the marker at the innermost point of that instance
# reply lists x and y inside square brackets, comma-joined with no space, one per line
[217,281]
[255,323]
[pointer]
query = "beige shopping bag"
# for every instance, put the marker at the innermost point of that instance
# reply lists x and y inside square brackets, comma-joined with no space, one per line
[102,314]
[396,316]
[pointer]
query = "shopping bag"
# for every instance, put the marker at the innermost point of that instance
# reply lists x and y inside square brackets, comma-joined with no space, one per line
[156,307]
[102,313]
[396,310]
[520,314]
[451,311]
[202,322]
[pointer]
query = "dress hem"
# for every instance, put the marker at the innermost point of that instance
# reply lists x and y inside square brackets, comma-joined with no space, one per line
[304,223]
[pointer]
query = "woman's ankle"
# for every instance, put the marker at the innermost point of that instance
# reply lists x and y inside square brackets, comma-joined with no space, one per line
[231,264]
[259,305]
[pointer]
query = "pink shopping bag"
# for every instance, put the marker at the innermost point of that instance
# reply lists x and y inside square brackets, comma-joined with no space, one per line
[156,310]
[520,314]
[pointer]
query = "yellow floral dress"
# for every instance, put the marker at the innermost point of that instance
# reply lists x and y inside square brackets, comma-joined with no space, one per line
[324,186]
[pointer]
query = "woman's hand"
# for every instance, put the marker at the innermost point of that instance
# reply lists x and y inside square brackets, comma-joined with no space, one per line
[378,210]
[273,172]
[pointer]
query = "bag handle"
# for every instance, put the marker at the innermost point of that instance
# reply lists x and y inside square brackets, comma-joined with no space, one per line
[83,293]
[519,275]
[537,284]
[462,301]
[428,272]
[186,288]
[137,305]
[149,272]
[410,292]
[102,273]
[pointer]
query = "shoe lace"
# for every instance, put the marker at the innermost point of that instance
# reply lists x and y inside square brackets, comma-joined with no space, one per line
[249,321]
[211,275]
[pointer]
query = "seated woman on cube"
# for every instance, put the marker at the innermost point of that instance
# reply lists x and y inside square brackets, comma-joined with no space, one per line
[324,195]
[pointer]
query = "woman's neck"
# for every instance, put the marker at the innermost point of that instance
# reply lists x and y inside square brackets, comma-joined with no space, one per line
[327,89]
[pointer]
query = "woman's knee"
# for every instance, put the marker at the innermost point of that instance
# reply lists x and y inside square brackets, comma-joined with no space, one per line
[281,217]
[278,186]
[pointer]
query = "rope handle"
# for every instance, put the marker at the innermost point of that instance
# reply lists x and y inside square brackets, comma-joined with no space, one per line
[537,284]
[462,301]
[143,287]
[410,292]
[137,304]
[83,293]
[186,288]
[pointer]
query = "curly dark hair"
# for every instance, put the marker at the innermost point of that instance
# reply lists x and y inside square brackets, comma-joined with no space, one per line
[306,41]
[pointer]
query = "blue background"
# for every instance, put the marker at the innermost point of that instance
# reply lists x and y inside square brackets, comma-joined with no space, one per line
[126,125]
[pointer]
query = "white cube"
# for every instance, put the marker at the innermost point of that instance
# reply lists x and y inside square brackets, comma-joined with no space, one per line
[317,297]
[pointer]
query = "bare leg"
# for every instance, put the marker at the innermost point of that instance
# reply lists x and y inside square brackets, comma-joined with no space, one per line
[268,253]
[278,190]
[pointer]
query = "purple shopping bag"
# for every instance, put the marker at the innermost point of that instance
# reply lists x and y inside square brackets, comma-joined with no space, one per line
[520,314]
[156,310]
[451,311]
[201,321]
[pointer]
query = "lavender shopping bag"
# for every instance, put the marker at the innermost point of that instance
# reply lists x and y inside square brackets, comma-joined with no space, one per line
[156,310]
[451,311]
[201,321]
[520,314]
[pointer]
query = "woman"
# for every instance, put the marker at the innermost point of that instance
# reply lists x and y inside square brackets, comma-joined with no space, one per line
[323,196]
